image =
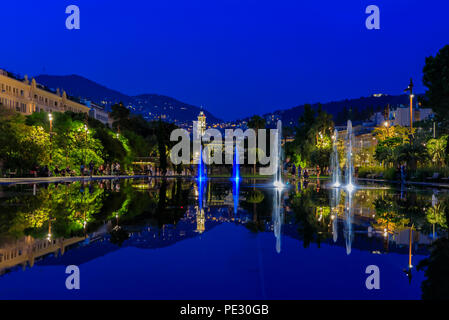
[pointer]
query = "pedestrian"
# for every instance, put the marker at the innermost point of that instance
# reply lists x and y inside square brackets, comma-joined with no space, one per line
[82,170]
[306,174]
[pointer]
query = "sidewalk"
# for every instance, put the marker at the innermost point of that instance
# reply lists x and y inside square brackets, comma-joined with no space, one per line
[9,181]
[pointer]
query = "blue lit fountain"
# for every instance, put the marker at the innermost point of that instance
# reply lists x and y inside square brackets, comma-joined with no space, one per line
[335,162]
[348,230]
[349,172]
[350,188]
[201,172]
[235,179]
[278,174]
[278,206]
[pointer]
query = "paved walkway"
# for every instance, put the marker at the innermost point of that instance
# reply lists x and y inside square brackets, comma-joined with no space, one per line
[11,181]
[424,184]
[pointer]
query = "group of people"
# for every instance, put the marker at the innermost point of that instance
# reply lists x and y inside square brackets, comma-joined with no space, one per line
[113,169]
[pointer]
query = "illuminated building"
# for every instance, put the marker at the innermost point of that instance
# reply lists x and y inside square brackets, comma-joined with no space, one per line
[26,97]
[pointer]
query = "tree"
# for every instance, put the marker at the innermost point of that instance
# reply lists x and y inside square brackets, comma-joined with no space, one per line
[437,150]
[436,79]
[121,115]
[22,146]
[436,270]
[411,153]
[256,123]
[313,133]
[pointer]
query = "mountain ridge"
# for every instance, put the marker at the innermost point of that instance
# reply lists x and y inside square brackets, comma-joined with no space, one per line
[150,105]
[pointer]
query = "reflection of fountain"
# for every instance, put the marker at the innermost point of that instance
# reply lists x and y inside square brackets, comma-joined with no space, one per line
[200,218]
[349,172]
[278,174]
[334,202]
[278,217]
[348,231]
[335,163]
[236,179]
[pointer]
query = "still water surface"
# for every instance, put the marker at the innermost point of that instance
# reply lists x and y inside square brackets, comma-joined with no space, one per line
[180,239]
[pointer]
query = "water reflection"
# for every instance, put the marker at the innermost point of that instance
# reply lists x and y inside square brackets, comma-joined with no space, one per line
[348,231]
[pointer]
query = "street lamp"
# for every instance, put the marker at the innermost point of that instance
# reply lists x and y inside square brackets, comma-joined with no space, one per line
[85,148]
[410,89]
[50,118]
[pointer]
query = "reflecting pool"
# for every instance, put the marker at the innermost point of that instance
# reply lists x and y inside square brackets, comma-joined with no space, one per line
[219,239]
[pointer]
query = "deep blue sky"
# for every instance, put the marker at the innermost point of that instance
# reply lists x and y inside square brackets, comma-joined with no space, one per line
[235,57]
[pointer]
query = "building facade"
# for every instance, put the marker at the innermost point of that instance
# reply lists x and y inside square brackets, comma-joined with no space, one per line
[98,112]
[201,124]
[401,116]
[26,97]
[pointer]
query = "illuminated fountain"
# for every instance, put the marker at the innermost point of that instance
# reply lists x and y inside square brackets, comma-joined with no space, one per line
[278,217]
[335,163]
[235,194]
[349,172]
[236,166]
[278,174]
[235,179]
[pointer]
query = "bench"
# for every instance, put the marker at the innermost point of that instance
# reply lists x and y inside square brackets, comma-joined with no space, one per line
[435,176]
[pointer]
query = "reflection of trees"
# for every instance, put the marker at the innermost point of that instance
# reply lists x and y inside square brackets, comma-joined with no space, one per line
[394,213]
[387,216]
[255,197]
[312,214]
[67,206]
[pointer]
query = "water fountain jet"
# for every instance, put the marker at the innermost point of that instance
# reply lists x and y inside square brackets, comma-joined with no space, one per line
[335,163]
[349,172]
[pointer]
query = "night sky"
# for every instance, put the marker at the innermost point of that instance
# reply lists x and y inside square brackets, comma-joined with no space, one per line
[235,57]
